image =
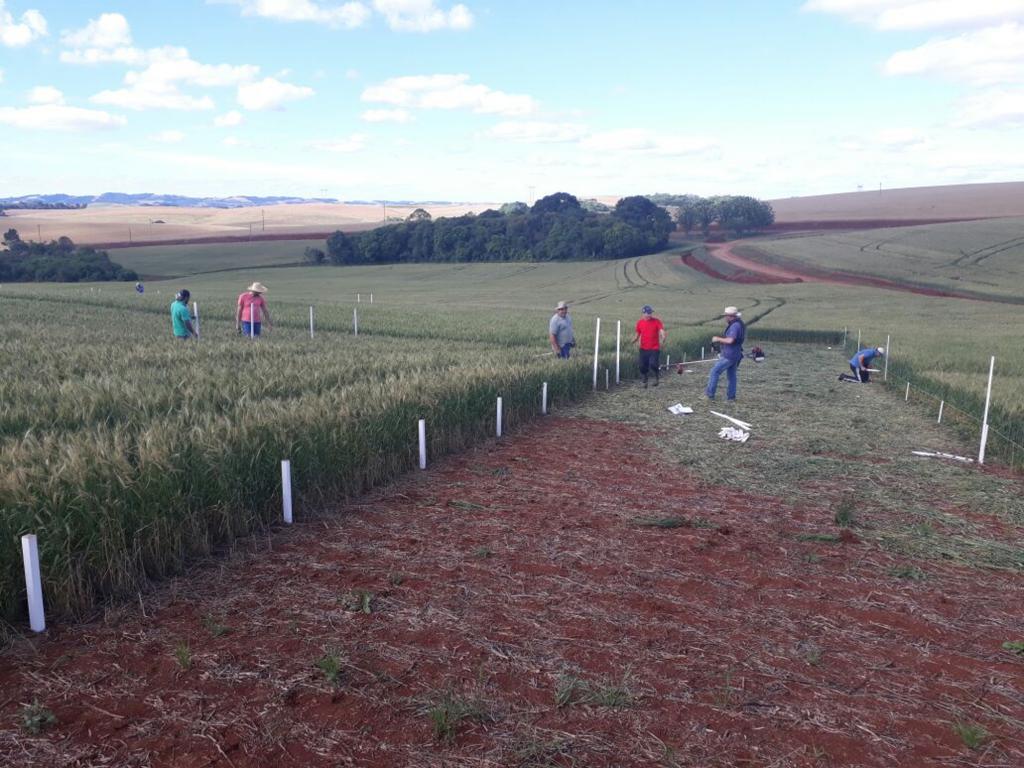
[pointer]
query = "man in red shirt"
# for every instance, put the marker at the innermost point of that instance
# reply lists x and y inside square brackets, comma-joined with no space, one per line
[650,334]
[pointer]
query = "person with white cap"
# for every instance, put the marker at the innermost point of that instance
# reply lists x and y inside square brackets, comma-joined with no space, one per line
[731,355]
[860,364]
[560,333]
[252,311]
[650,335]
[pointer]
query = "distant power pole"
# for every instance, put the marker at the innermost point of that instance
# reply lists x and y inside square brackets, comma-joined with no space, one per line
[263,218]
[129,233]
[385,211]
[531,195]
[39,232]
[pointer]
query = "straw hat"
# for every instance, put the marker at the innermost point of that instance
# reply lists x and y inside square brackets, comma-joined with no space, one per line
[561,305]
[257,288]
[731,311]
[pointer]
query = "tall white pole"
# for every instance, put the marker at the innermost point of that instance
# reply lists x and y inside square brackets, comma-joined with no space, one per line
[984,422]
[906,397]
[702,353]
[33,582]
[195,311]
[498,427]
[888,350]
[371,298]
[544,399]
[607,377]
[597,345]
[858,340]
[286,490]
[254,312]
[355,321]
[941,404]
[423,444]
[359,298]
[311,322]
[618,345]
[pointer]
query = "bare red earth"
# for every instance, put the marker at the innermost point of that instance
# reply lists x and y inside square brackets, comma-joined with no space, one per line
[515,571]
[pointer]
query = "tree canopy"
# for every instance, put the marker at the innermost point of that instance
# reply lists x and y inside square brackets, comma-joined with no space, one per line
[58,261]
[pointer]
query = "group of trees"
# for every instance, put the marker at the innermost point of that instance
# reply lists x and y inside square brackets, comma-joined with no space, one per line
[58,261]
[555,228]
[737,214]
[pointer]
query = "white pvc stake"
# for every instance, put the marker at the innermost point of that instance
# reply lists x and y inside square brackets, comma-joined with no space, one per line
[286,490]
[858,340]
[254,312]
[359,298]
[702,353]
[668,362]
[423,444]
[311,322]
[984,423]
[618,345]
[498,430]
[597,343]
[845,329]
[906,397]
[371,298]
[941,404]
[33,582]
[195,312]
[544,399]
[888,351]
[607,377]
[355,321]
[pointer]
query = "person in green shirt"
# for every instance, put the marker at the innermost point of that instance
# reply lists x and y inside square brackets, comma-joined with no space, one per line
[181,320]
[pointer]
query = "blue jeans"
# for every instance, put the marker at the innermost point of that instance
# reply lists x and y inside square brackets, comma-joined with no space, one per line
[729,368]
[649,362]
[248,330]
[564,351]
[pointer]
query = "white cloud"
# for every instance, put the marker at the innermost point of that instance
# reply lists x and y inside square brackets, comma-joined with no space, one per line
[982,57]
[536,131]
[270,93]
[642,140]
[448,92]
[386,116]
[346,15]
[921,14]
[899,138]
[233,141]
[15,34]
[58,117]
[1,75]
[45,94]
[992,108]
[109,30]
[228,119]
[168,137]
[353,143]
[351,74]
[422,15]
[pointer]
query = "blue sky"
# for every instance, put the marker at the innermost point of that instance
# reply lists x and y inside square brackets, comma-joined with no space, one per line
[495,101]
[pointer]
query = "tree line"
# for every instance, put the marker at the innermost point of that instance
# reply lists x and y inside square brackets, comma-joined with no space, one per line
[738,214]
[555,228]
[58,261]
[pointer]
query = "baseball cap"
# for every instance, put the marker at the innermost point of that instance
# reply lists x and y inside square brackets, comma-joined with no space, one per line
[648,309]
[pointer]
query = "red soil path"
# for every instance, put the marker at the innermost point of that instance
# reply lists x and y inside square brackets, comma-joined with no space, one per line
[502,576]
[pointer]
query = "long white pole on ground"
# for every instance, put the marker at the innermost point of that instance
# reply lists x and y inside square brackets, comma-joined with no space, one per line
[888,350]
[984,422]
[33,582]
[311,322]
[597,345]
[355,321]
[195,311]
[498,419]
[618,346]
[544,399]
[423,444]
[286,490]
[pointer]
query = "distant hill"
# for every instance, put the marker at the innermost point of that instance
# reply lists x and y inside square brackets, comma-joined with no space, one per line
[151,199]
[956,201]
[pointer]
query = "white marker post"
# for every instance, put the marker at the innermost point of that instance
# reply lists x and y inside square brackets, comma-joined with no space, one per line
[702,353]
[888,350]
[668,362]
[254,313]
[195,312]
[371,298]
[311,322]
[845,329]
[618,346]
[941,404]
[607,378]
[544,399]
[858,341]
[423,444]
[33,583]
[355,321]
[286,490]
[497,430]
[984,423]
[597,344]
[906,397]
[359,298]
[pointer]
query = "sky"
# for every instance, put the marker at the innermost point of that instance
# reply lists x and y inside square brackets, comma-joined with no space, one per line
[501,100]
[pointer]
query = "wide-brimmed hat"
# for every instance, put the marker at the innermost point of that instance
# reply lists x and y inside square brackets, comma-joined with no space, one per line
[731,311]
[257,288]
[561,305]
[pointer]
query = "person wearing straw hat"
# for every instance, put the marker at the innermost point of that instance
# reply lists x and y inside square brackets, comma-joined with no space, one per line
[560,333]
[252,311]
[730,356]
[860,364]
[181,319]
[650,335]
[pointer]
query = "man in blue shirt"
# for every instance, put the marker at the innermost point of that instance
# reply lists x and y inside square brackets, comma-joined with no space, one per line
[560,333]
[860,364]
[181,320]
[731,354]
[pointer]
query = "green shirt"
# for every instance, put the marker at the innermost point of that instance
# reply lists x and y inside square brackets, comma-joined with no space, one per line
[179,317]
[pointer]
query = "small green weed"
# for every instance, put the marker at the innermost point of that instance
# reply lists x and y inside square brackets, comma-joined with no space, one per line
[829,538]
[396,579]
[844,516]
[330,664]
[674,522]
[183,655]
[972,735]
[446,715]
[909,572]
[1014,646]
[36,718]
[215,627]
[360,601]
[465,505]
[572,691]
[483,552]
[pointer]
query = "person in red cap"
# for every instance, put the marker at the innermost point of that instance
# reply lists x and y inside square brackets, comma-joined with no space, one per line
[650,335]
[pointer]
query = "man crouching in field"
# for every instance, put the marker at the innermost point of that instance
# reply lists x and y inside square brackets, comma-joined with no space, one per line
[860,364]
[181,320]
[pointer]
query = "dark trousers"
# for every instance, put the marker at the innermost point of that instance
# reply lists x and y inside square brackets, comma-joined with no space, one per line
[862,376]
[649,359]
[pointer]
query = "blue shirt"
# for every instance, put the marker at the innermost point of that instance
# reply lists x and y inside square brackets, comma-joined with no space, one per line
[737,331]
[869,355]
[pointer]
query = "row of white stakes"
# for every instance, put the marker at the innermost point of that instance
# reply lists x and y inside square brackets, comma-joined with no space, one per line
[30,544]
[252,325]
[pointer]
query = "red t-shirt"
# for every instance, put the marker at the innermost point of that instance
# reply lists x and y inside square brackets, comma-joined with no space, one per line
[249,300]
[649,331]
